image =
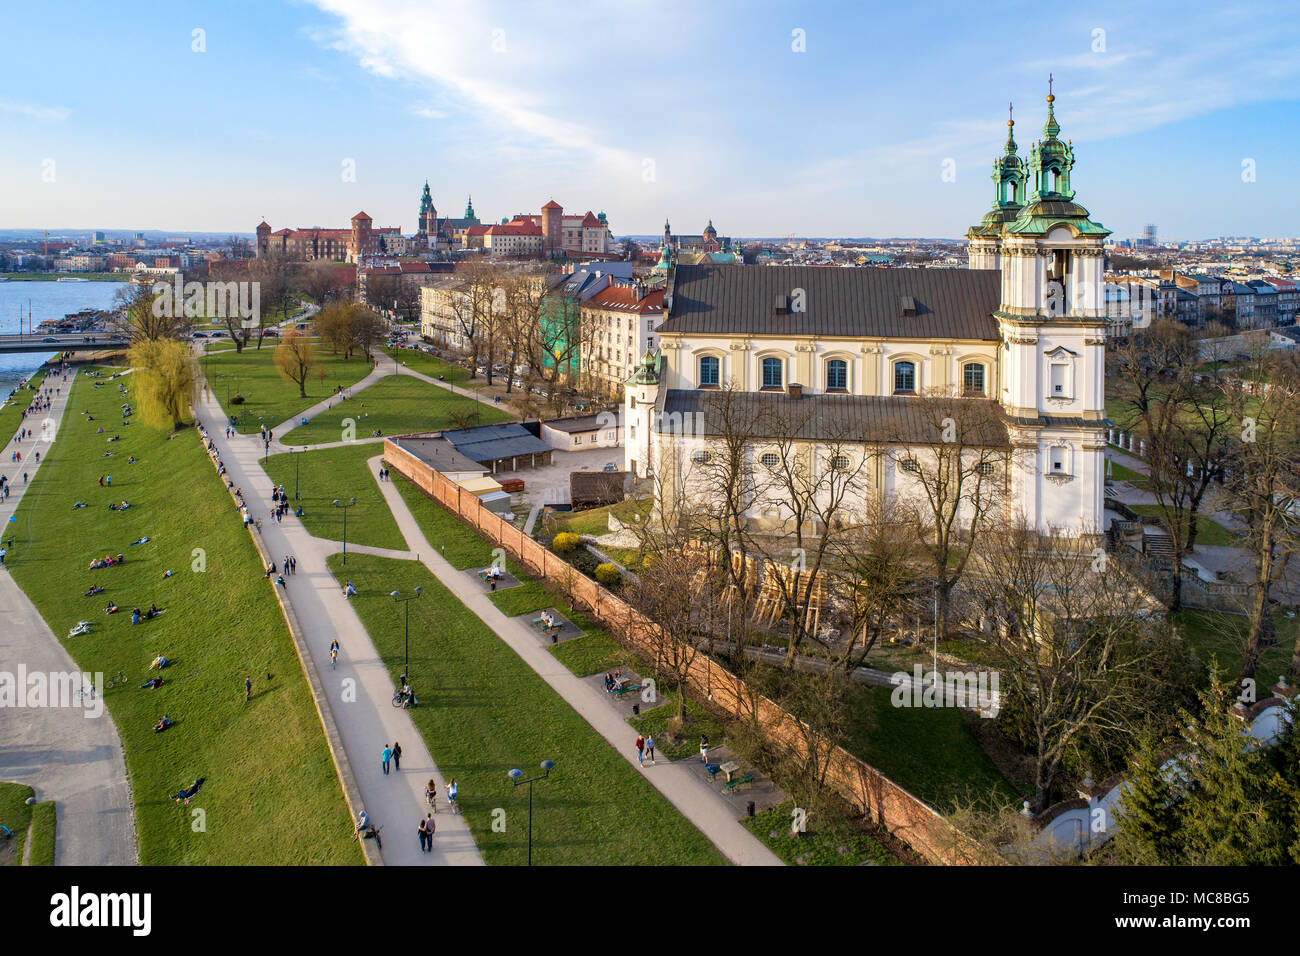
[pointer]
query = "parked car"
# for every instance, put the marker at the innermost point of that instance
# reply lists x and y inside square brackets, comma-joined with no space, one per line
[199,335]
[49,338]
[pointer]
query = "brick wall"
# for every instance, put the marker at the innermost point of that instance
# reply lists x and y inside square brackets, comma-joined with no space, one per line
[906,816]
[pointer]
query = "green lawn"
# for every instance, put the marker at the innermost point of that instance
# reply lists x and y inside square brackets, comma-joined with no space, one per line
[44,831]
[815,846]
[270,399]
[699,721]
[1208,531]
[1119,473]
[927,750]
[1214,634]
[594,521]
[11,415]
[271,793]
[395,405]
[427,364]
[458,542]
[484,711]
[16,815]
[329,474]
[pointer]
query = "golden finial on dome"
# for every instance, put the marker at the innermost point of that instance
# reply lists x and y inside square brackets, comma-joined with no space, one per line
[1050,97]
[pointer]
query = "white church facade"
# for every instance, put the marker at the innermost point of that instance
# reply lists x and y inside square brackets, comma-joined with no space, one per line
[1021,332]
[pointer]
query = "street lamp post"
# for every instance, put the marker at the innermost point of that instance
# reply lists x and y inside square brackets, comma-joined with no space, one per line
[407,599]
[345,505]
[517,778]
[296,496]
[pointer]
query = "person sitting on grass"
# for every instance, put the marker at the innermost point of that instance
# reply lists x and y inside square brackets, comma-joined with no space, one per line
[349,590]
[152,613]
[79,504]
[153,683]
[135,615]
[159,662]
[162,724]
[111,608]
[97,589]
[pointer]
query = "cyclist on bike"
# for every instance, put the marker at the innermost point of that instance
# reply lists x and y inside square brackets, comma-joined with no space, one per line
[431,794]
[334,652]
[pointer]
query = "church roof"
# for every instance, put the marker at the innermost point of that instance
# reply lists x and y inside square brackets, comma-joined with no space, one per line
[820,417]
[849,303]
[552,205]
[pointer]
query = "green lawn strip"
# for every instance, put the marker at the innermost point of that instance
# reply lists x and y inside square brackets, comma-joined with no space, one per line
[1208,531]
[592,521]
[655,722]
[483,711]
[1222,636]
[16,815]
[338,474]
[929,751]
[455,540]
[814,847]
[44,828]
[426,364]
[11,415]
[593,653]
[395,405]
[271,794]
[269,398]
[1120,473]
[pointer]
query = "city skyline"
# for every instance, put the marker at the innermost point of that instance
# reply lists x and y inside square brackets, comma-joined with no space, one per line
[703,114]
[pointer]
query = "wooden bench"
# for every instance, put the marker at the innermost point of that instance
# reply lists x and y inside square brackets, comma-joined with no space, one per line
[626,689]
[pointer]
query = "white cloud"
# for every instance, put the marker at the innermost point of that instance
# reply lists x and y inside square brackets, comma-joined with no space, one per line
[45,113]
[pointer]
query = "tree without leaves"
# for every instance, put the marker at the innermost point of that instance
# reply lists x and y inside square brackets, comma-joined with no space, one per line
[1079,650]
[1263,488]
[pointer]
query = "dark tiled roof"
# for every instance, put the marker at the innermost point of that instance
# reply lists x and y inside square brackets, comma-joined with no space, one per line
[843,418]
[438,453]
[494,442]
[950,303]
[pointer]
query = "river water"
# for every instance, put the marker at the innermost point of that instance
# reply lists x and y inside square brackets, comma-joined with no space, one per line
[49,300]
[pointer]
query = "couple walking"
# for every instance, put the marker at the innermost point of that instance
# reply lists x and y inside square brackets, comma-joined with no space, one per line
[393,754]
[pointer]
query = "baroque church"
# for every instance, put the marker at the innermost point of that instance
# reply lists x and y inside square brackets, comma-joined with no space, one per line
[1022,330]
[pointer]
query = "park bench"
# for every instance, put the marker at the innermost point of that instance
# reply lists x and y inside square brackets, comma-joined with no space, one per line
[544,627]
[735,783]
[627,688]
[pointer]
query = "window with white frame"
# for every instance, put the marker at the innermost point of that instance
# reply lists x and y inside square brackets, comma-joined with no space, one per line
[773,373]
[837,375]
[904,378]
[972,378]
[710,371]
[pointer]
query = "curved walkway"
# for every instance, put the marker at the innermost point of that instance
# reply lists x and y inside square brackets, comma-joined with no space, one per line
[64,753]
[361,688]
[693,798]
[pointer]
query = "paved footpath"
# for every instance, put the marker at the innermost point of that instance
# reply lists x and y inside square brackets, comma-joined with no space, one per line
[692,797]
[66,756]
[394,801]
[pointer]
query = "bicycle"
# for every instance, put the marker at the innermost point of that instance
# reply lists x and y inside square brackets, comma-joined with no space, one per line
[117,680]
[334,658]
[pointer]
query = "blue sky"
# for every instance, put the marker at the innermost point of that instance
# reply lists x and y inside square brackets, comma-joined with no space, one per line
[690,110]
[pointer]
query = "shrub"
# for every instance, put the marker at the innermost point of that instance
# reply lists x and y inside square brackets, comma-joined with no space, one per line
[608,574]
[564,542]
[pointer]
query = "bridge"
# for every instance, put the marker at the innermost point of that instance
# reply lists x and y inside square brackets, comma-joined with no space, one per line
[63,342]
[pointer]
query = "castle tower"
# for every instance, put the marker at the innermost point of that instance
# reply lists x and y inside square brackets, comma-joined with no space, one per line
[552,229]
[359,245]
[428,217]
[263,238]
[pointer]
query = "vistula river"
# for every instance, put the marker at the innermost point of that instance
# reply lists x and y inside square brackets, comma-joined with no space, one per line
[49,300]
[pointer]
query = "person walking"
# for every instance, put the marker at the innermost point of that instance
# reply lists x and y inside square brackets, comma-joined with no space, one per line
[248,689]
[640,750]
[429,828]
[397,755]
[385,756]
[650,747]
[423,832]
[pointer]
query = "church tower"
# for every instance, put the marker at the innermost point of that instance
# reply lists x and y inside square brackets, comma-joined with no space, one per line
[1053,330]
[1009,176]
[428,216]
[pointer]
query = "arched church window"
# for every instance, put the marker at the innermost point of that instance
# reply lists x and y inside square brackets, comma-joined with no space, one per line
[972,378]
[837,375]
[710,368]
[904,378]
[773,373]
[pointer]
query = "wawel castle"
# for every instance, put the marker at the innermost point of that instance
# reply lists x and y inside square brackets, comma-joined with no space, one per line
[865,353]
